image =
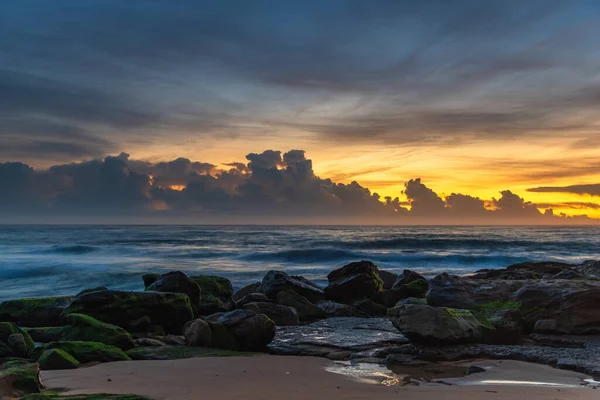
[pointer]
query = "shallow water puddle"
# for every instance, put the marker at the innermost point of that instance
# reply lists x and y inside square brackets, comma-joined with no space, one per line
[365,372]
[520,383]
[396,374]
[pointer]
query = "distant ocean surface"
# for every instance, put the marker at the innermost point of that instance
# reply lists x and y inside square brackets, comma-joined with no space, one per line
[40,261]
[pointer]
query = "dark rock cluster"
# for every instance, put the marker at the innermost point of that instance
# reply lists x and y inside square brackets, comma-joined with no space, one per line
[541,312]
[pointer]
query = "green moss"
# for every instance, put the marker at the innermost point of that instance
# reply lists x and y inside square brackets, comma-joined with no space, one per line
[483,320]
[9,328]
[88,329]
[499,305]
[97,289]
[86,352]
[34,312]
[126,309]
[23,375]
[458,313]
[46,334]
[215,292]
[60,396]
[54,359]
[416,288]
[179,352]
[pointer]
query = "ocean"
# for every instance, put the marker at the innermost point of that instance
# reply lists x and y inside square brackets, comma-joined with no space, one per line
[38,261]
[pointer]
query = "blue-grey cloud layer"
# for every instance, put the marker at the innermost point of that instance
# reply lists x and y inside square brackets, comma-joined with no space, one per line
[79,79]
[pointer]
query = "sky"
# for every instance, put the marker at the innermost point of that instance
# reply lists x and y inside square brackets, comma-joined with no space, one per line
[146,110]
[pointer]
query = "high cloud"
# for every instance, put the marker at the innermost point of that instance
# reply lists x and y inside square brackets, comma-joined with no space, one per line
[591,189]
[81,79]
[270,186]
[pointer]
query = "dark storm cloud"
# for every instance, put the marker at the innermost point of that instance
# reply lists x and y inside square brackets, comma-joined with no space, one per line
[591,189]
[271,185]
[401,72]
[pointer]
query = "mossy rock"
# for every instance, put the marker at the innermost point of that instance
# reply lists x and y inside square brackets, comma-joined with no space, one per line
[60,396]
[86,352]
[46,334]
[22,377]
[126,309]
[438,325]
[34,312]
[9,328]
[355,281]
[417,288]
[175,352]
[97,289]
[216,294]
[54,359]
[88,329]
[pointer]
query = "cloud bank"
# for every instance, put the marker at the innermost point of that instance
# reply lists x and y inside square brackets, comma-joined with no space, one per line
[271,187]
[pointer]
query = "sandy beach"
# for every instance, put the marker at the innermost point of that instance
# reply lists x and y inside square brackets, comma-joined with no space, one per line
[277,377]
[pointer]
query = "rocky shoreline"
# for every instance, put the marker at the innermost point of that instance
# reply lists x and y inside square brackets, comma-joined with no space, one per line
[542,312]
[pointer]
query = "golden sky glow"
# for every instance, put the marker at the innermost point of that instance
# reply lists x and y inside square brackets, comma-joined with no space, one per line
[477,169]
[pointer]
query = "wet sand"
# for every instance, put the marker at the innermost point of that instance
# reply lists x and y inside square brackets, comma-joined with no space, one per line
[305,378]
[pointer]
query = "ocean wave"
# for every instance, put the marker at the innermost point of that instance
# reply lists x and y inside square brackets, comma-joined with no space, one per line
[74,249]
[415,244]
[299,256]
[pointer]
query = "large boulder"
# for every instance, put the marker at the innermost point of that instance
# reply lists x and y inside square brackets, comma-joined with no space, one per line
[524,271]
[255,287]
[281,315]
[177,282]
[437,325]
[88,329]
[355,281]
[21,347]
[252,332]
[573,305]
[55,359]
[18,378]
[34,312]
[216,292]
[452,291]
[277,281]
[170,311]
[198,333]
[447,290]
[407,276]
[306,310]
[86,352]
